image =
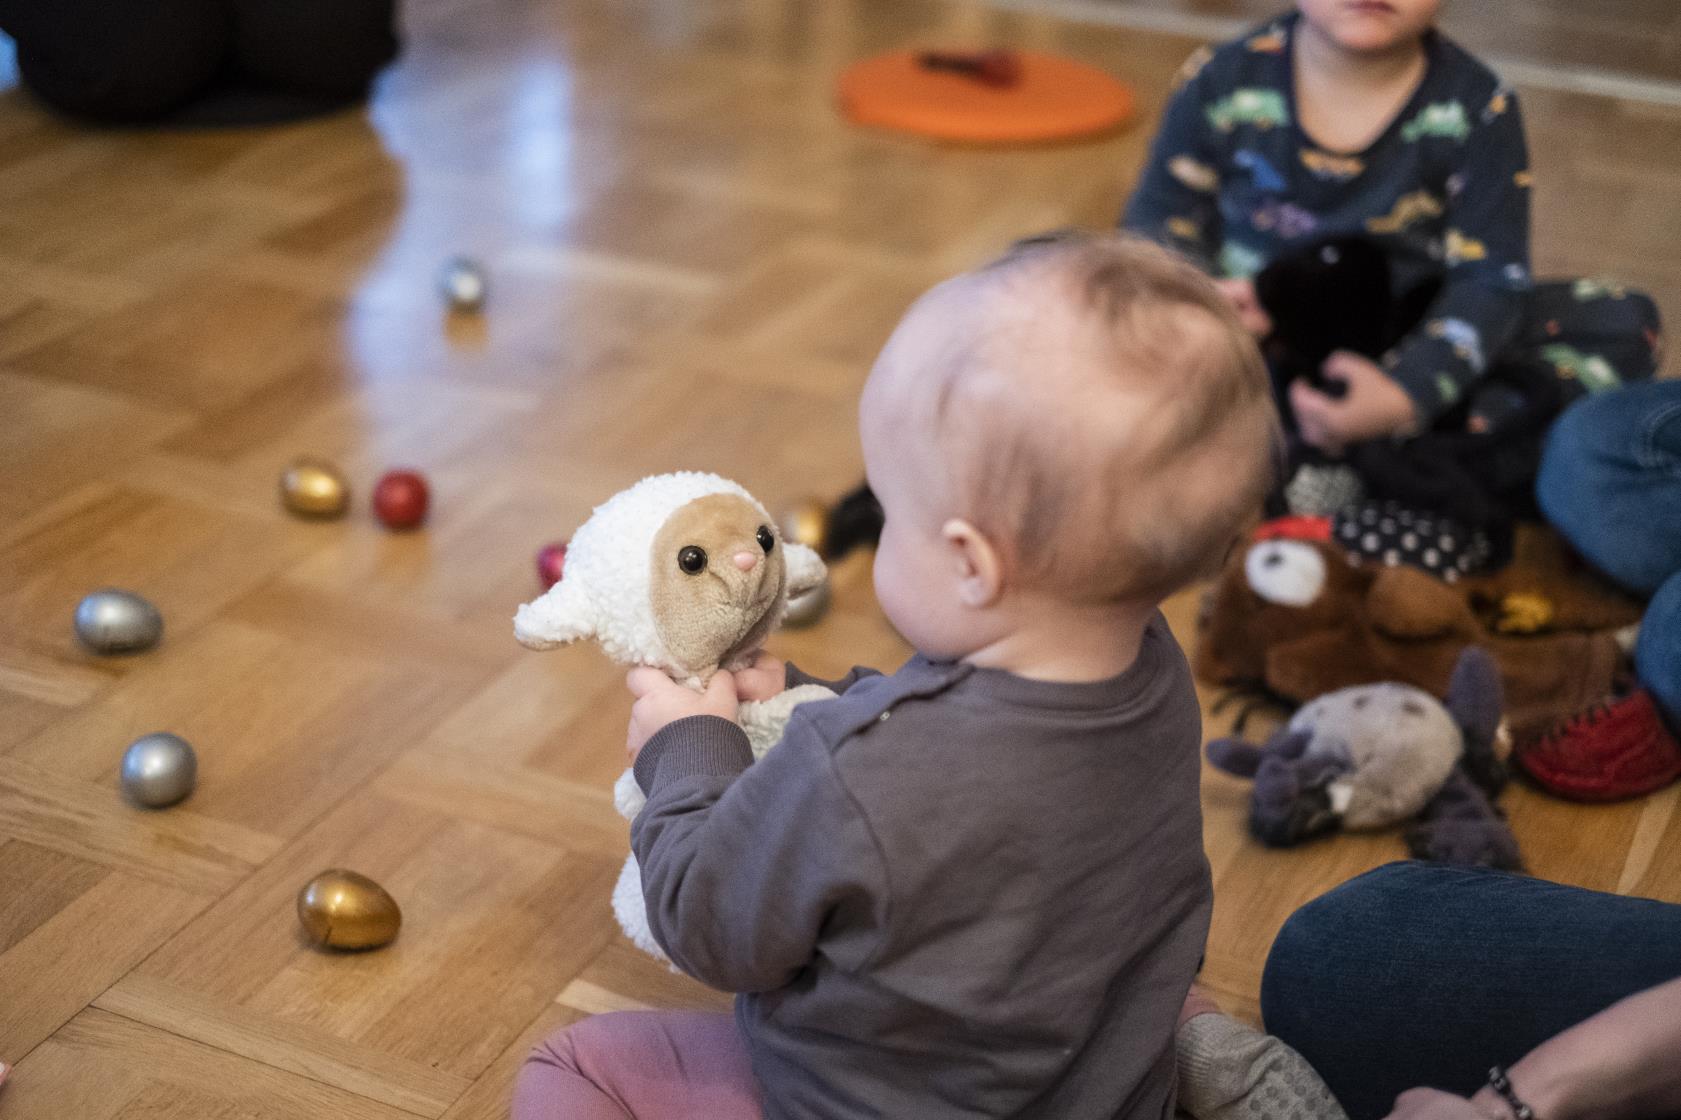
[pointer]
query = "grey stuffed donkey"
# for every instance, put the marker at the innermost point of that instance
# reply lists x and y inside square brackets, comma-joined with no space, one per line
[1376,755]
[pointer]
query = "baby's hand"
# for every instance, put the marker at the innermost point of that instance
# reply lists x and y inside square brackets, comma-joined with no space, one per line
[661,700]
[1375,405]
[766,677]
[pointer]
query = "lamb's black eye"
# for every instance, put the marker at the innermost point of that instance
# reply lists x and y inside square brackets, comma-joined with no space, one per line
[765,539]
[692,559]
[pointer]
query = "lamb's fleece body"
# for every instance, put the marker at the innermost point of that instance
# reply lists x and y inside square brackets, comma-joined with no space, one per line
[607,593]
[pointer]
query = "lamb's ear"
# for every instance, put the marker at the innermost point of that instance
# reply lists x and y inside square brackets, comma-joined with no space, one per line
[805,568]
[558,616]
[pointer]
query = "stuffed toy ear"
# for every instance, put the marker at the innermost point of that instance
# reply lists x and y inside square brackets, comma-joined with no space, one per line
[1234,756]
[1476,701]
[555,618]
[805,568]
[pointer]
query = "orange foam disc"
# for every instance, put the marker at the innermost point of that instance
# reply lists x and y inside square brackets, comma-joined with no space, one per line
[1056,99]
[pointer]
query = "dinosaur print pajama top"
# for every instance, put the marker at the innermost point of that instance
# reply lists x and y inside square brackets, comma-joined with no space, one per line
[1233,180]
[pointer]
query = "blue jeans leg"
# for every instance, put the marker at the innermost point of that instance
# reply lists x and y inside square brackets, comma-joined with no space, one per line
[1422,974]
[1657,658]
[1610,482]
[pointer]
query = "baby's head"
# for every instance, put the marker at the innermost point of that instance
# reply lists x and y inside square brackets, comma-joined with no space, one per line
[1371,27]
[1082,422]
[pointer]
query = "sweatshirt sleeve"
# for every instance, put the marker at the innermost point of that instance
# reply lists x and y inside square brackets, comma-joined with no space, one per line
[798,676]
[1228,1071]
[1176,201]
[1479,310]
[743,865]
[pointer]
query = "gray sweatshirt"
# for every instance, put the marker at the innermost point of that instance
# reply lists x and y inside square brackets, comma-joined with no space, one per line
[949,892]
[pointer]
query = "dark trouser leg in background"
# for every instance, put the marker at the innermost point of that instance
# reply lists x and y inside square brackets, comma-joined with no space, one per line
[200,61]
[1421,974]
[329,49]
[115,61]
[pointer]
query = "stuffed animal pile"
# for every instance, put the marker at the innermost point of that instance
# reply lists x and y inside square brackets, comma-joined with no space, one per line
[1292,616]
[687,573]
[1376,755]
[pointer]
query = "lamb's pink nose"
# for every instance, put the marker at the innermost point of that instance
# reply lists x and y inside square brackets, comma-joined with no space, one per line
[745,560]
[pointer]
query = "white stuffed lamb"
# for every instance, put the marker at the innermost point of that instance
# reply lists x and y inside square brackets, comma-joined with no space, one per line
[685,572]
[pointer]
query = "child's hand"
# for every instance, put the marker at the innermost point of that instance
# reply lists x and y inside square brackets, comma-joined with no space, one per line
[766,677]
[1241,295]
[1375,405]
[661,700]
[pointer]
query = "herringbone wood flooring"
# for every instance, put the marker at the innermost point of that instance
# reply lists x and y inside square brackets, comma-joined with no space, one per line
[693,261]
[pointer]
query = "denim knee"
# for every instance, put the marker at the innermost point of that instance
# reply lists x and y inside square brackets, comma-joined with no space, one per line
[1657,657]
[1311,936]
[1610,482]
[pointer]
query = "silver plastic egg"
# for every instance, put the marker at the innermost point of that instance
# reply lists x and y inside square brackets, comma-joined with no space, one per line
[115,621]
[159,770]
[806,609]
[464,284]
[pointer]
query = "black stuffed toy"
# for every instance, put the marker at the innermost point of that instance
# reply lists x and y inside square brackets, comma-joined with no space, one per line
[1331,295]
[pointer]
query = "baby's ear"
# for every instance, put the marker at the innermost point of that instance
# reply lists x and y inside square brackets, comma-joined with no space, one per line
[555,618]
[805,568]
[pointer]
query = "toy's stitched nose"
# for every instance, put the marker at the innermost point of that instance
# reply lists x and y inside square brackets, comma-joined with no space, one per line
[745,560]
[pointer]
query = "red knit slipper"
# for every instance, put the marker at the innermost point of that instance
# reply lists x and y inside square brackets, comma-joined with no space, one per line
[1615,750]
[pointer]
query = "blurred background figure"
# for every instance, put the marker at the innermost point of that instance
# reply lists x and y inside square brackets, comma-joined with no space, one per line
[200,61]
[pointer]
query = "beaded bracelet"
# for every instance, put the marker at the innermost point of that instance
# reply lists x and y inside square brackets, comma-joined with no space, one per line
[1501,1084]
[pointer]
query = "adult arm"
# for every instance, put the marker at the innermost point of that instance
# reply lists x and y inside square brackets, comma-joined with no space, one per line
[1618,1065]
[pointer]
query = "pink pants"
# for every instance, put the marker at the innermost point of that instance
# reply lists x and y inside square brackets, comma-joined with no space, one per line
[640,1065]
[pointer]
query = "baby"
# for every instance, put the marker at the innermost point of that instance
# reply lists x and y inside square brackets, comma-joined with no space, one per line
[975,887]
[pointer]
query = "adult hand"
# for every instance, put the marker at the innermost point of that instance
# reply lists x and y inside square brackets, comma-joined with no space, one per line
[661,700]
[1374,406]
[766,677]
[1433,1104]
[1241,295]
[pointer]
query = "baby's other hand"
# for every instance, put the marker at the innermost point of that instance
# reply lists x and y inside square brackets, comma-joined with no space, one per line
[661,700]
[766,677]
[1374,406]
[1241,295]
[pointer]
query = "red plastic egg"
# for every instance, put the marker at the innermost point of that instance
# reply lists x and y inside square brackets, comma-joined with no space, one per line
[400,499]
[551,563]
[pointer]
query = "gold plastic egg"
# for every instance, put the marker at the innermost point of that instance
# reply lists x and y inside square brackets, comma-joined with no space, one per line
[807,523]
[343,910]
[314,489]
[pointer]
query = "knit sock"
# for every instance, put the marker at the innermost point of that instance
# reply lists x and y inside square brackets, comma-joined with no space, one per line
[1613,751]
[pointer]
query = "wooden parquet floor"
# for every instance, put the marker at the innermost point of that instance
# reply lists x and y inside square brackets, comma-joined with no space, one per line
[693,262]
